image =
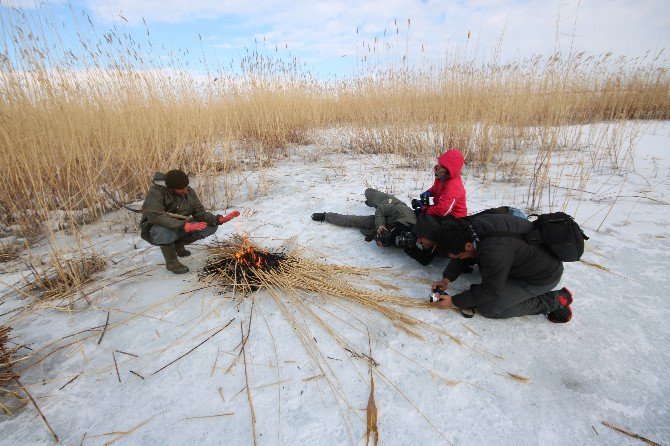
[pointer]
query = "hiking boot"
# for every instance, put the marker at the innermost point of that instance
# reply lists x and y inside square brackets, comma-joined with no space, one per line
[181,250]
[180,245]
[171,263]
[563,314]
[319,216]
[565,297]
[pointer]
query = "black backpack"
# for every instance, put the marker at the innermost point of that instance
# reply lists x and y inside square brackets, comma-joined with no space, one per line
[557,231]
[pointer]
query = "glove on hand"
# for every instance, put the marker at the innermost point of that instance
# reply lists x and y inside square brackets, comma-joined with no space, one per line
[425,198]
[194,226]
[221,219]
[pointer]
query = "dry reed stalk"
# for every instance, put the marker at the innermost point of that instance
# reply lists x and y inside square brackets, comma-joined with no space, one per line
[371,428]
[104,329]
[180,357]
[136,374]
[246,381]
[630,434]
[38,409]
[121,434]
[210,416]
[116,366]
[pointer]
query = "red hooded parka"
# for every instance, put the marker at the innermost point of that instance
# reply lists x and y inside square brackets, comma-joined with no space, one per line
[449,194]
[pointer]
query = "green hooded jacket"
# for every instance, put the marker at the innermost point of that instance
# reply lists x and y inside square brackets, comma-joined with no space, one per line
[391,212]
[161,201]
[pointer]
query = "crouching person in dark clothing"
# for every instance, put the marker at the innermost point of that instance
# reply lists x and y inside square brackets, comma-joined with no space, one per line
[173,217]
[392,217]
[518,278]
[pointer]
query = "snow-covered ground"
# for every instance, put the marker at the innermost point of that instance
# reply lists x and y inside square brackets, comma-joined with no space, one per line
[607,364]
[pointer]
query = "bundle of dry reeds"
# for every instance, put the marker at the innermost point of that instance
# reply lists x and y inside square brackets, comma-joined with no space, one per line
[243,267]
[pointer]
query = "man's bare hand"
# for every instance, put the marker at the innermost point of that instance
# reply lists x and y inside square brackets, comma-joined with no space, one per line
[440,285]
[445,301]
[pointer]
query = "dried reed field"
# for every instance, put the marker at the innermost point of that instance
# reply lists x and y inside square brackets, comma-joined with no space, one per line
[104,113]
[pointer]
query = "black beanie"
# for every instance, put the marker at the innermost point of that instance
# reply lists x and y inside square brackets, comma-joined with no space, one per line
[176,179]
[427,226]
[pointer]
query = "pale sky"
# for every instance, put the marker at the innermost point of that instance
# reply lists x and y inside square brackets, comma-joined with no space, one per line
[332,37]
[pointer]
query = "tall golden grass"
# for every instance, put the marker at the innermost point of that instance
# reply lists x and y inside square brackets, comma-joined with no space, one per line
[107,113]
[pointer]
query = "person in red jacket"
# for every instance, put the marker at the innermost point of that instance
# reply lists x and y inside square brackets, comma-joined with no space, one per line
[448,191]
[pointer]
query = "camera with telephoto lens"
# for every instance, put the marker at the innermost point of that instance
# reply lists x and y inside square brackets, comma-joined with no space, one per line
[384,237]
[405,240]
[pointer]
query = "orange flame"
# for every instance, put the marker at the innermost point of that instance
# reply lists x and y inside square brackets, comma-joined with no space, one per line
[250,257]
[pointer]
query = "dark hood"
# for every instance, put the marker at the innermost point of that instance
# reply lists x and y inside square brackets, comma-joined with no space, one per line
[427,226]
[159,179]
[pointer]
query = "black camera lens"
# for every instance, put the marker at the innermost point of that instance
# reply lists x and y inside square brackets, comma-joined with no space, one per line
[405,240]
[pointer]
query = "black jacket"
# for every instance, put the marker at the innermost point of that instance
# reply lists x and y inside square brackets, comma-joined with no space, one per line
[501,258]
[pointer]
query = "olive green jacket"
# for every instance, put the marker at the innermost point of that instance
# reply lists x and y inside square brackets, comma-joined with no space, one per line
[392,212]
[161,201]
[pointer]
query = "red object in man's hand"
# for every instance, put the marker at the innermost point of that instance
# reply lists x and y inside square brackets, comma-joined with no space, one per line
[221,219]
[194,226]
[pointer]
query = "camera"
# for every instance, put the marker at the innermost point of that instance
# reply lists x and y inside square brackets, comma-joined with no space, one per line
[384,237]
[424,200]
[405,240]
[436,296]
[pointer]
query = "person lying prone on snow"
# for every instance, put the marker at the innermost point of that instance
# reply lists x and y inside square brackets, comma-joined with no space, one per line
[391,225]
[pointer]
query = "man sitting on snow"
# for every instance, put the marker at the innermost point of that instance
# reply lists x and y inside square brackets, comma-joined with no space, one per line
[517,277]
[173,217]
[392,218]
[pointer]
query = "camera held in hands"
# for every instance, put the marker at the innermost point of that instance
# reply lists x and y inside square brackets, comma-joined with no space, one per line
[437,295]
[424,200]
[405,240]
[383,237]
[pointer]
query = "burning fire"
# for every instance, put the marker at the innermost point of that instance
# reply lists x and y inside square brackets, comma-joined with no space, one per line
[238,261]
[251,257]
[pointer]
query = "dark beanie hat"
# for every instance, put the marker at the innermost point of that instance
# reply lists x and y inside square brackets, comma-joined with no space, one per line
[427,226]
[176,179]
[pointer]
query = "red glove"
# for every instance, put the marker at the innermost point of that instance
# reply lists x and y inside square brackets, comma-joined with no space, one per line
[194,226]
[221,219]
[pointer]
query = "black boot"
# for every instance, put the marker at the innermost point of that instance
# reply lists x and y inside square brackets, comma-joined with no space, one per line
[319,216]
[181,250]
[564,313]
[181,243]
